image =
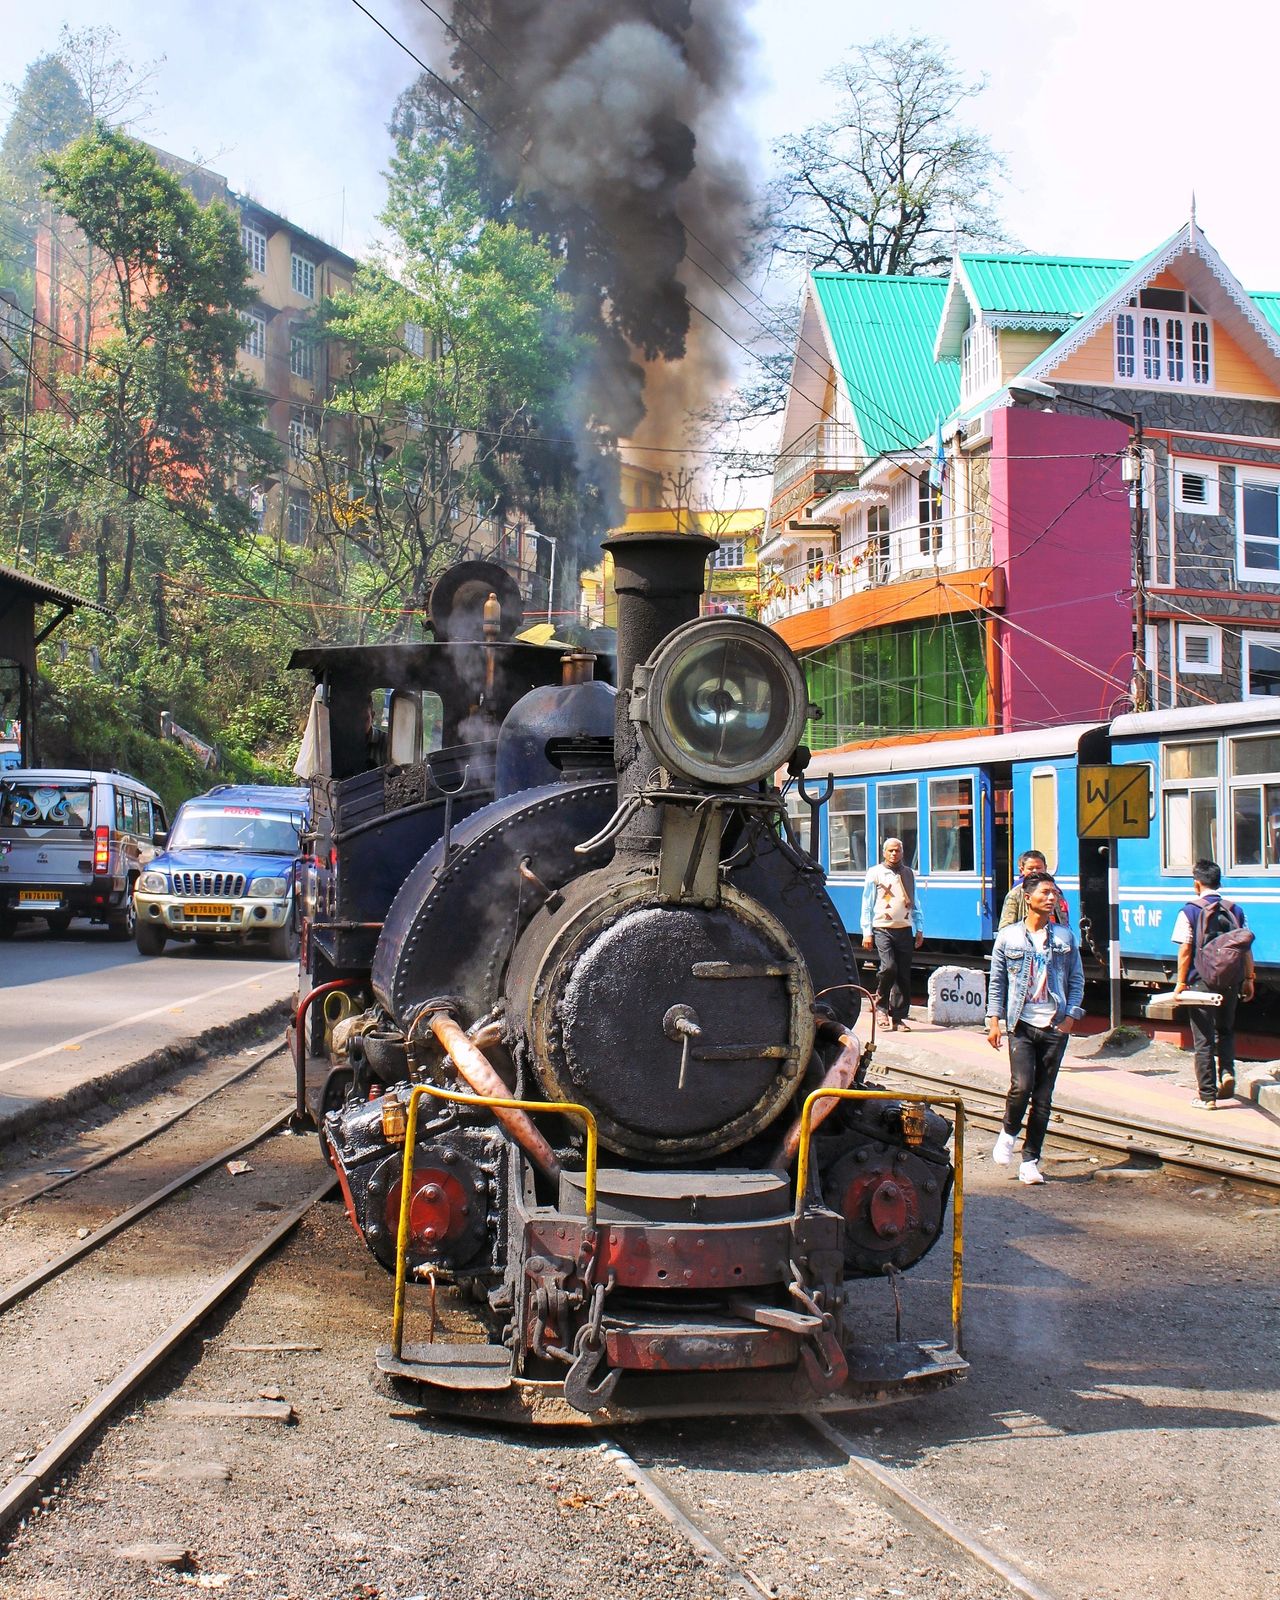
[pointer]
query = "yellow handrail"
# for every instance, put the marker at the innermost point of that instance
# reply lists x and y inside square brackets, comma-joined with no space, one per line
[565,1107]
[957,1209]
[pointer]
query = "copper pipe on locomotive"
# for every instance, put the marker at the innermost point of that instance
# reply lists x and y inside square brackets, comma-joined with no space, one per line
[477,1071]
[841,1074]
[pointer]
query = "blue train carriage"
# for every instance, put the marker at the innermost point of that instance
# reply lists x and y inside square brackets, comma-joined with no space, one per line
[1216,794]
[964,809]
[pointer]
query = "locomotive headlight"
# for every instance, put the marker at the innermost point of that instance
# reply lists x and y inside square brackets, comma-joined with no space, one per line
[721,701]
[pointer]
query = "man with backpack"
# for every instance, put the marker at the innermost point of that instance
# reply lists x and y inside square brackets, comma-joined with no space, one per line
[1215,955]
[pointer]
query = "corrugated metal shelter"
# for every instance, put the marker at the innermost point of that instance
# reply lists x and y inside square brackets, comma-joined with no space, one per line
[20,595]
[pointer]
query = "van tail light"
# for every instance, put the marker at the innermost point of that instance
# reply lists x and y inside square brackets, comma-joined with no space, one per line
[101,849]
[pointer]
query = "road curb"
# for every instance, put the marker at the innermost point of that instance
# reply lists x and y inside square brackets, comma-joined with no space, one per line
[98,1089]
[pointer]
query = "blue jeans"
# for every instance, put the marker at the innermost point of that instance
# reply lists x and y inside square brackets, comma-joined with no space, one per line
[1035,1054]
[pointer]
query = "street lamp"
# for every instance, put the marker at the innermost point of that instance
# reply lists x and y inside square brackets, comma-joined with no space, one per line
[547,538]
[1031,391]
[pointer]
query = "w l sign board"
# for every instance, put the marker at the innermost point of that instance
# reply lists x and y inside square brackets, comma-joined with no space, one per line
[1114,802]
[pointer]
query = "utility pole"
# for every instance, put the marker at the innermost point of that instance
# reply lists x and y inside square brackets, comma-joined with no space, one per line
[1135,473]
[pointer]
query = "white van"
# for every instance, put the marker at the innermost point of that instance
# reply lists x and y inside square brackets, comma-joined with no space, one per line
[73,844]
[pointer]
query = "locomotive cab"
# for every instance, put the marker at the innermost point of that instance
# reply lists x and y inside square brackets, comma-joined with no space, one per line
[608,1008]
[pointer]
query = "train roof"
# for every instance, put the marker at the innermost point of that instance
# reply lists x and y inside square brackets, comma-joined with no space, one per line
[1197,719]
[982,750]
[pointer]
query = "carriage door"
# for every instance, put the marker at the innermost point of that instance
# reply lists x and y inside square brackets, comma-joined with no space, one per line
[998,861]
[989,844]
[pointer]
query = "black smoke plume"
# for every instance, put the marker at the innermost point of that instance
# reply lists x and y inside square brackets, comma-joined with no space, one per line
[611,131]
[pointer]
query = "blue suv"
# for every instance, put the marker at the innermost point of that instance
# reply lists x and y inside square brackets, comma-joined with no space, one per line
[227,872]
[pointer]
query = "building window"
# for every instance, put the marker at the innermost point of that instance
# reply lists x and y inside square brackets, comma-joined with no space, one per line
[254,339]
[979,360]
[1255,802]
[1189,786]
[1261,665]
[1044,815]
[1199,648]
[255,247]
[847,829]
[302,438]
[302,357]
[1258,522]
[930,518]
[1195,487]
[907,678]
[302,275]
[732,553]
[1164,349]
[297,519]
[415,339]
[898,817]
[878,544]
[951,836]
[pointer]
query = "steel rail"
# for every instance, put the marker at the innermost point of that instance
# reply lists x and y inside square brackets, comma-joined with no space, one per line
[39,1276]
[669,1508]
[1203,1152]
[25,1486]
[905,1503]
[116,1151]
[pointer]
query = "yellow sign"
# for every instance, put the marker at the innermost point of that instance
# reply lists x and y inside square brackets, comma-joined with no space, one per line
[1114,802]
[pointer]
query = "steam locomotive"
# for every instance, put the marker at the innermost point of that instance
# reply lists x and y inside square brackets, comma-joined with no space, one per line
[571,984]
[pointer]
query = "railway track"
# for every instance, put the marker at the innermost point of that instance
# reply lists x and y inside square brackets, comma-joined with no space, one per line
[700,1519]
[1096,1130]
[88,1326]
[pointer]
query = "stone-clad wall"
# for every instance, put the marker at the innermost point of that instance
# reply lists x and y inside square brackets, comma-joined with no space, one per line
[1206,546]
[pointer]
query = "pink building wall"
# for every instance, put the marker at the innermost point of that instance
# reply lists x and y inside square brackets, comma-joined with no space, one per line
[1061,531]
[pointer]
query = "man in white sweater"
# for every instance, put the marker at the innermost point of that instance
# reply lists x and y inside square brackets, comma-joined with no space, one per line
[892,924]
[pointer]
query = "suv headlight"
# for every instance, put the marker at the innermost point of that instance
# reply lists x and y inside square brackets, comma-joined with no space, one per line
[268,888]
[722,701]
[154,882]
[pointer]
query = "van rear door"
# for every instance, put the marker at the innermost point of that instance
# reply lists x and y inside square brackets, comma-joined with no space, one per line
[46,839]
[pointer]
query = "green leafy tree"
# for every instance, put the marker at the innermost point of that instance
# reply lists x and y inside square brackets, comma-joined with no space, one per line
[62,94]
[452,364]
[158,407]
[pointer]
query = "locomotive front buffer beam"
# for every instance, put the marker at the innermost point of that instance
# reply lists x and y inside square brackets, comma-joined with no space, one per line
[650,1294]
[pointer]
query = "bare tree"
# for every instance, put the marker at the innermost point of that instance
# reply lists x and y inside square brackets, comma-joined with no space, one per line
[894,178]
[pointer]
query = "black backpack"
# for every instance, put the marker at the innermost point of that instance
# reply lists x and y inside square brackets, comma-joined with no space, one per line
[1221,946]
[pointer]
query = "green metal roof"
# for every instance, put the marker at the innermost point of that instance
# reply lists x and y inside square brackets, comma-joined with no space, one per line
[882,331]
[1041,285]
[1268,302]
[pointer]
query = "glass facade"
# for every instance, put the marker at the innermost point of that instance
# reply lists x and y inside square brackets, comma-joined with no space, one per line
[920,675]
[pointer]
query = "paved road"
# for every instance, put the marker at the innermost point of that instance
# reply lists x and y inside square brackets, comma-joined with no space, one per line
[76,1007]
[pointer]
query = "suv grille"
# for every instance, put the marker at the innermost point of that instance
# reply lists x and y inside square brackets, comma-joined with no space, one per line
[230,885]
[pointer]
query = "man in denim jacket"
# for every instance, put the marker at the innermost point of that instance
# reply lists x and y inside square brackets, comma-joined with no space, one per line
[1037,984]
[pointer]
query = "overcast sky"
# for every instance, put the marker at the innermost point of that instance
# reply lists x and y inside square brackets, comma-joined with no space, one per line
[1109,115]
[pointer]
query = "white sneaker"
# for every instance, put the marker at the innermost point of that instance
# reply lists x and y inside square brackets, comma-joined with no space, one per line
[1002,1154]
[1029,1172]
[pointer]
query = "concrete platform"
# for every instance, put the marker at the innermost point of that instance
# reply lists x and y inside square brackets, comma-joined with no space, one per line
[1148,1084]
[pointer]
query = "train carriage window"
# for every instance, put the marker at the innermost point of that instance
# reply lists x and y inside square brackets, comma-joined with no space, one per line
[1044,815]
[1255,803]
[798,814]
[847,828]
[898,816]
[951,825]
[1190,803]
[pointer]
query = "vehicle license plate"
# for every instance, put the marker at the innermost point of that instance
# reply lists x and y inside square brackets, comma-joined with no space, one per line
[40,897]
[205,908]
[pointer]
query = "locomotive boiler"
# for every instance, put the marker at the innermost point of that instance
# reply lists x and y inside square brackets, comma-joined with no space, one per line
[599,1080]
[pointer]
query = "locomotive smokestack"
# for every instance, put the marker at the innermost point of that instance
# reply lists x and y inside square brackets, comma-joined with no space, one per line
[658,579]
